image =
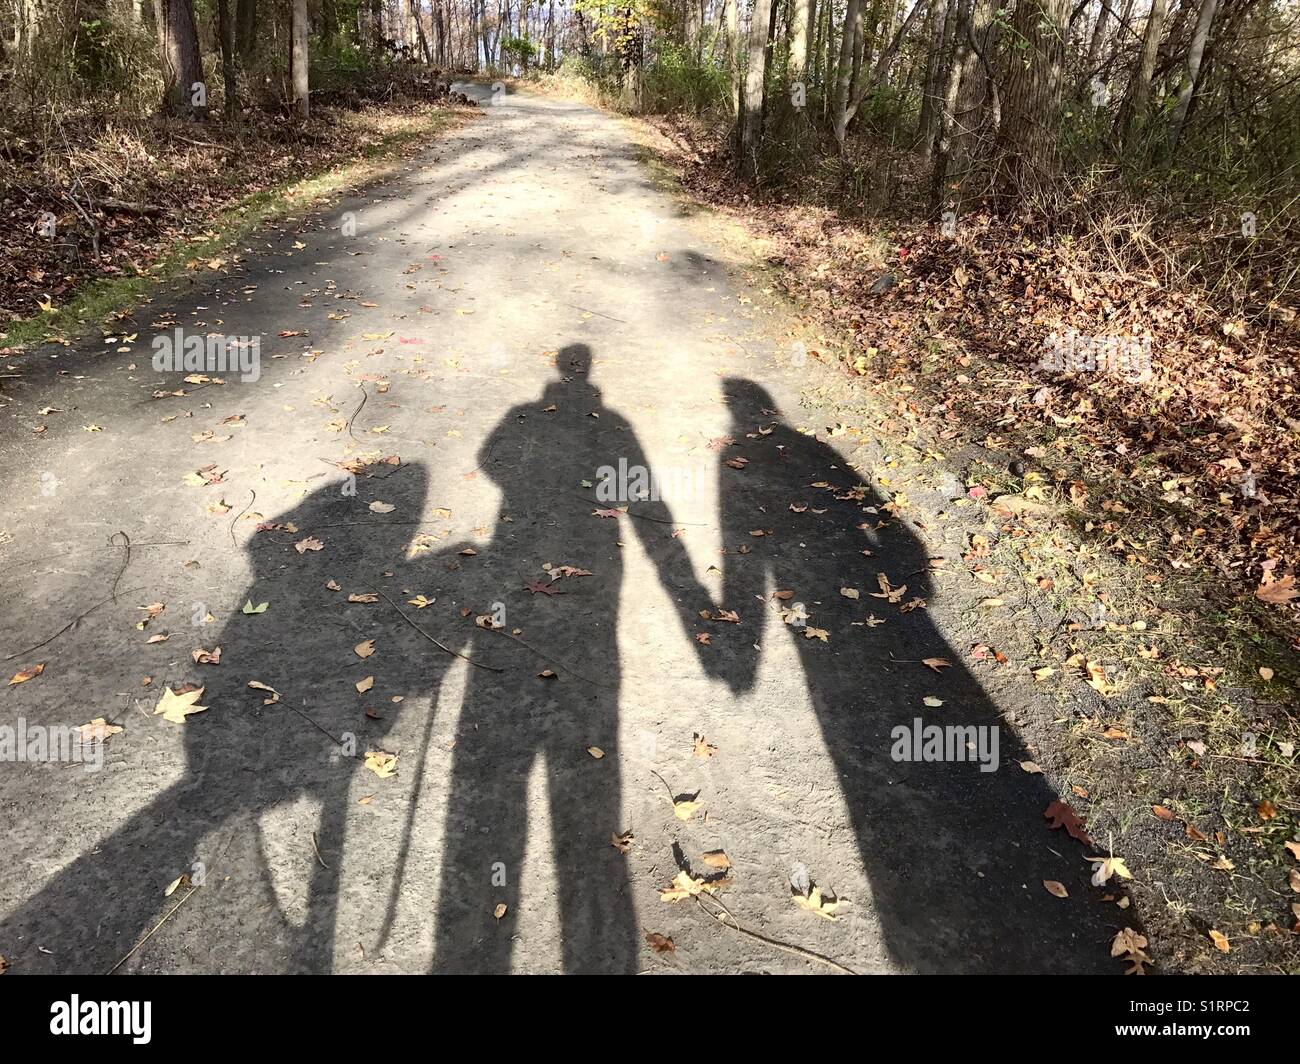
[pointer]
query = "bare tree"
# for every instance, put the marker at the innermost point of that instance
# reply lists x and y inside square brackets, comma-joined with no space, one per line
[1139,94]
[1027,149]
[182,68]
[298,60]
[1195,51]
[750,118]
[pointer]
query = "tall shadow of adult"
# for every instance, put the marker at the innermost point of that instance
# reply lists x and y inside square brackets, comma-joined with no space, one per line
[539,454]
[250,754]
[955,857]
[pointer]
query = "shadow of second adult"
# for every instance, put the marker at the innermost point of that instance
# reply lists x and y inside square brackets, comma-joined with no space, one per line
[554,571]
[956,857]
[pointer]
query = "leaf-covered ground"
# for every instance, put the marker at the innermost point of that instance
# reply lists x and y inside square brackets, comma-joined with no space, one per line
[1142,534]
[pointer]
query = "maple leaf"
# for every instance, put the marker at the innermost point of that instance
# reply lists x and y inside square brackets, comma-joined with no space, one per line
[310,543]
[541,587]
[622,843]
[176,707]
[206,657]
[606,513]
[1277,592]
[98,730]
[1132,947]
[1060,815]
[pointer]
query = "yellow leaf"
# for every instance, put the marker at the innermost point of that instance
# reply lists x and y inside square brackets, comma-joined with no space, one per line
[381,764]
[176,708]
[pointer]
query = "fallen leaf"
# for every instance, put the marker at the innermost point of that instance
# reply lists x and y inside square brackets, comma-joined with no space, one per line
[659,943]
[1060,815]
[29,673]
[382,764]
[175,708]
[98,730]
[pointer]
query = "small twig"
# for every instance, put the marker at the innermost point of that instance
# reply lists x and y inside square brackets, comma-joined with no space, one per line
[252,498]
[440,646]
[70,624]
[798,951]
[126,560]
[127,957]
[546,657]
[317,849]
[364,396]
[588,310]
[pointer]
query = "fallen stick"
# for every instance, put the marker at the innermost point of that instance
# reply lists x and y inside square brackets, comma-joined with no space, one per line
[798,951]
[440,646]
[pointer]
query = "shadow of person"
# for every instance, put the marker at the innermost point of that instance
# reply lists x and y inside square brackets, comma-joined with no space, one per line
[955,856]
[539,454]
[250,757]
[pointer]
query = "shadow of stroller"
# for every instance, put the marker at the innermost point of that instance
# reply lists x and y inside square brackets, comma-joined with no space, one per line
[956,857]
[249,755]
[539,454]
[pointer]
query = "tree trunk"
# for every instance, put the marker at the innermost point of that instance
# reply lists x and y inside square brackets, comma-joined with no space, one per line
[1139,94]
[844,72]
[801,29]
[226,35]
[298,60]
[246,15]
[750,119]
[936,71]
[1194,54]
[859,43]
[178,45]
[1028,148]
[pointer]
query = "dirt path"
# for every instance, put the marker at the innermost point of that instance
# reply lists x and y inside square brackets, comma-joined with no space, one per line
[518,311]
